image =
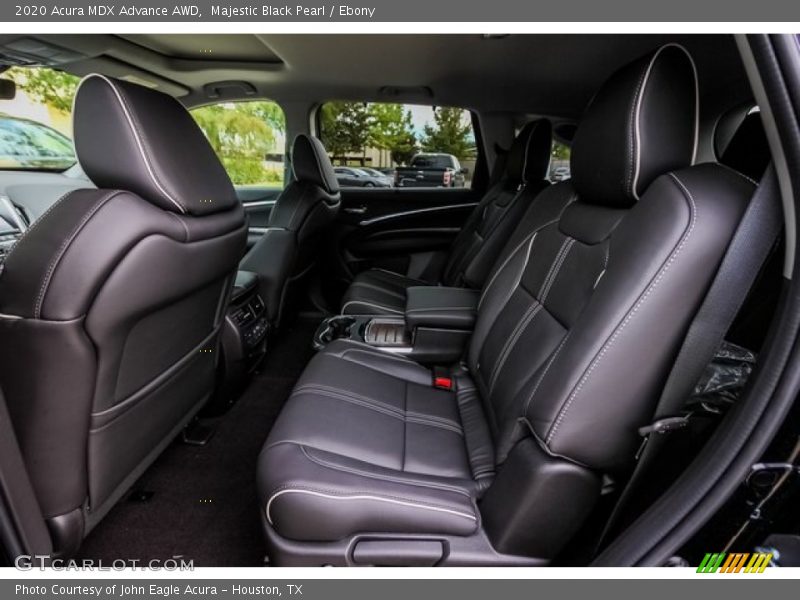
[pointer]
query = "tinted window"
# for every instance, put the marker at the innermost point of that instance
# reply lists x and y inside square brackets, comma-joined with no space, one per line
[559,162]
[249,138]
[390,138]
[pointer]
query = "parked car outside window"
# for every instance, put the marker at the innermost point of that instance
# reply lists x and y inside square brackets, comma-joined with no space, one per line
[353,177]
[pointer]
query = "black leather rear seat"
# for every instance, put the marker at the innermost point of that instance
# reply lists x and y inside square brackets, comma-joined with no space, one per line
[475,249]
[577,328]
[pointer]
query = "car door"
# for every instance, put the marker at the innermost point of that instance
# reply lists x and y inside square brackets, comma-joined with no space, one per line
[408,230]
[258,203]
[405,230]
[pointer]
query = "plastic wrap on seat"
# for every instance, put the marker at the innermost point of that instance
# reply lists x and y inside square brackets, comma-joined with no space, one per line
[723,379]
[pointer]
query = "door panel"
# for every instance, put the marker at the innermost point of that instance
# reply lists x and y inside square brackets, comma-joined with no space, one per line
[258,203]
[404,230]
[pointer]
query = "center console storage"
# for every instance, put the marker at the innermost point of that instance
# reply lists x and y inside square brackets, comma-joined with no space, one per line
[437,324]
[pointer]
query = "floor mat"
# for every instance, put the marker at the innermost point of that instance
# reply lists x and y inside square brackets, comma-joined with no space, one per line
[204,504]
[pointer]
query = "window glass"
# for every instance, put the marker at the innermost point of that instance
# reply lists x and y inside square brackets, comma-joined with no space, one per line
[36,124]
[249,138]
[399,145]
[559,162]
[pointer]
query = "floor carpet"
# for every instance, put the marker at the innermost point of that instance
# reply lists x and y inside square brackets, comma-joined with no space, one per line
[203,505]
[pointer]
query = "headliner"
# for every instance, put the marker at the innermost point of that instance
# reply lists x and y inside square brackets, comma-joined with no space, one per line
[553,75]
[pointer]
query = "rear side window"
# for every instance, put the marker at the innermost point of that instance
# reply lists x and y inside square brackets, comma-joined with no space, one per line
[559,162]
[249,138]
[36,124]
[434,161]
[399,145]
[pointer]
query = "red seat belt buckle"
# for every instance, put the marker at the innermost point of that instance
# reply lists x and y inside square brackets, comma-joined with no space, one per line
[443,383]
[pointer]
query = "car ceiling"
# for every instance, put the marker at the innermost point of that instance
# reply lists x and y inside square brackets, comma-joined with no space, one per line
[553,75]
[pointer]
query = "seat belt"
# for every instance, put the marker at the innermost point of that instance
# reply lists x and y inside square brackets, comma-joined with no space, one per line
[747,252]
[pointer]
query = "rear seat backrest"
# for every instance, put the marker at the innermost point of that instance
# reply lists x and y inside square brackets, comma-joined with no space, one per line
[483,236]
[485,233]
[579,324]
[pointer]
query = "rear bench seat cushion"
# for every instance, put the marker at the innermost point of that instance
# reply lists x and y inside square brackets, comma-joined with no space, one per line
[366,443]
[378,292]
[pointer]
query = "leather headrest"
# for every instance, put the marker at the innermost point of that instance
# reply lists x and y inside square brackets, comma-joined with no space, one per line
[310,163]
[529,156]
[641,124]
[137,139]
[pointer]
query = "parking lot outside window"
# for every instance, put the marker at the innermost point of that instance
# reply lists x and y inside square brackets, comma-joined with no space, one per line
[249,138]
[386,145]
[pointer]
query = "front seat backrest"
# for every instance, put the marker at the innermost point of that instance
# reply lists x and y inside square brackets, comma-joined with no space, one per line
[112,302]
[285,255]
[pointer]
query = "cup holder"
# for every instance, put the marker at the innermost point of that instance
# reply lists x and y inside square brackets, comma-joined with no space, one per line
[333,328]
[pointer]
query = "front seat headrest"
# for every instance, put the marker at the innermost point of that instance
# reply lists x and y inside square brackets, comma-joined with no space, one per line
[529,157]
[641,124]
[310,163]
[134,138]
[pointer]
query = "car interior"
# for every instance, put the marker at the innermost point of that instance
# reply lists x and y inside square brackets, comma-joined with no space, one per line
[313,374]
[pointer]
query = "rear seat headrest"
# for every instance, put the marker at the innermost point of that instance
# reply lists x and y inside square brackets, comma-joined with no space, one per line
[137,139]
[310,163]
[641,124]
[529,156]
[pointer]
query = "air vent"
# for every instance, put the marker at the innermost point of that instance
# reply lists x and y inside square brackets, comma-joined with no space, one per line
[243,316]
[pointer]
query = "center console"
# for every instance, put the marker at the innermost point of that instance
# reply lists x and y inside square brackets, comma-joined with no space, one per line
[437,324]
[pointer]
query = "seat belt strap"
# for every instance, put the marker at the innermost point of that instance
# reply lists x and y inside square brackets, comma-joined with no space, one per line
[746,254]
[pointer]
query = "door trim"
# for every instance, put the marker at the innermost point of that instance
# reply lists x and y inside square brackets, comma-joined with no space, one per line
[418,211]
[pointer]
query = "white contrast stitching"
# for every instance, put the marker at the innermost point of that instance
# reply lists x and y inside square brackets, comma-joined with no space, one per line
[633,134]
[381,407]
[435,308]
[546,369]
[740,174]
[362,303]
[552,266]
[652,286]
[136,137]
[561,259]
[37,308]
[526,320]
[635,181]
[36,222]
[329,496]
[377,476]
[377,354]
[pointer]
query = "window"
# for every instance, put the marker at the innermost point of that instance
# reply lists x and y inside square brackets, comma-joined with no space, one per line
[36,124]
[398,145]
[559,162]
[249,138]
